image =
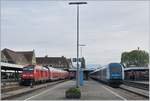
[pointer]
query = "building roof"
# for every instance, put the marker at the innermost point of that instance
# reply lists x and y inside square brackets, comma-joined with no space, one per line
[52,61]
[9,66]
[136,68]
[18,57]
[3,58]
[13,57]
[27,54]
[41,60]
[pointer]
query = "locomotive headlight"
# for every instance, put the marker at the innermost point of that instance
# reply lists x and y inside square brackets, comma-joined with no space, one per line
[23,75]
[31,75]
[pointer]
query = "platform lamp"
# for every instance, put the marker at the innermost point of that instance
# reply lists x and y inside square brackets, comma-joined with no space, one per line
[77,72]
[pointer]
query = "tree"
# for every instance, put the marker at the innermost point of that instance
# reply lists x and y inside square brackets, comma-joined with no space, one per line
[135,57]
[125,58]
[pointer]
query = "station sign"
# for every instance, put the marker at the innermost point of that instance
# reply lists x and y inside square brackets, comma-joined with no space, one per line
[75,60]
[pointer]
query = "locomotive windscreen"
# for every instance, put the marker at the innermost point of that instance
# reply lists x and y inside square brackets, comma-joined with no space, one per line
[115,67]
[28,68]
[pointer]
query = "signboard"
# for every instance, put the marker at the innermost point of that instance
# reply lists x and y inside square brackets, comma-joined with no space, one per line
[75,59]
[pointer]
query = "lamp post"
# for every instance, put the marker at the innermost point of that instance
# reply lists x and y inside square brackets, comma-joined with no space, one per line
[77,72]
[81,45]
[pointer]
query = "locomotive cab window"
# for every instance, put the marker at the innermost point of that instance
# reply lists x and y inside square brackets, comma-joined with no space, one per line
[29,68]
[115,68]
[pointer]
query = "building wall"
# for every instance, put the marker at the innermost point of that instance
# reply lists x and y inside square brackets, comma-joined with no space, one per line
[137,75]
[33,58]
[57,62]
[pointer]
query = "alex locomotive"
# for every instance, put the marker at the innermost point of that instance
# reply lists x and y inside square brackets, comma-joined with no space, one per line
[112,74]
[32,74]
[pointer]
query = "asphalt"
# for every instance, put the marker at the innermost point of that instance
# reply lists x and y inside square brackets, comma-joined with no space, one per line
[26,90]
[92,90]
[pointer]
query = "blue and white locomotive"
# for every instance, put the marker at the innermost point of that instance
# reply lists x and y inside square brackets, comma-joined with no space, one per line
[112,74]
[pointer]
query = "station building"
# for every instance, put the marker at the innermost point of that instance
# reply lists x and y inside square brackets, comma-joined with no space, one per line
[12,63]
[56,62]
[136,73]
[18,57]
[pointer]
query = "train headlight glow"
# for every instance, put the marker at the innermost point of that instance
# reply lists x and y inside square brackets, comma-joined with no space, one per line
[23,75]
[31,75]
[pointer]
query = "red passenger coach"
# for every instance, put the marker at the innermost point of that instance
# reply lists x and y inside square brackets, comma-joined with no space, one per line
[71,75]
[37,74]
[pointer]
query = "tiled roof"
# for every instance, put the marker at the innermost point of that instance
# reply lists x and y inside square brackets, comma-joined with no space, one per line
[13,57]
[27,54]
[18,57]
[55,61]
[41,60]
[3,58]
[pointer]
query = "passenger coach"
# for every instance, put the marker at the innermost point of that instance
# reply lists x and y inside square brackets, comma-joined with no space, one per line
[32,74]
[112,74]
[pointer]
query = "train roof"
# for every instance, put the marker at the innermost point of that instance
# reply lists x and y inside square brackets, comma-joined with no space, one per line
[102,67]
[114,64]
[56,69]
[45,68]
[97,69]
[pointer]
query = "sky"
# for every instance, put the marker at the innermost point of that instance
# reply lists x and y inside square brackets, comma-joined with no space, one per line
[107,28]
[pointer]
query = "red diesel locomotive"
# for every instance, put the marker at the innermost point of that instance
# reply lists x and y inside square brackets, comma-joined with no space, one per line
[32,74]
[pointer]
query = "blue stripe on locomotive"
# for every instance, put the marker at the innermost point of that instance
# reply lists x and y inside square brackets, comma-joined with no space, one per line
[116,74]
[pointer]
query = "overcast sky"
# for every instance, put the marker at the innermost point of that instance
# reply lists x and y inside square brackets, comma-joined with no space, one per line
[106,28]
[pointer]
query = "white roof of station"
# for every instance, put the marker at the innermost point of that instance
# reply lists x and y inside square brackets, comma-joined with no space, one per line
[136,68]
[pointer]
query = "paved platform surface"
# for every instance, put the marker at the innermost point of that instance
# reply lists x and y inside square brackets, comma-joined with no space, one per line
[91,90]
[26,89]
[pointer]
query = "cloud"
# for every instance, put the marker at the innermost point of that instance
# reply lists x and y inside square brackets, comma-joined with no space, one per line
[107,28]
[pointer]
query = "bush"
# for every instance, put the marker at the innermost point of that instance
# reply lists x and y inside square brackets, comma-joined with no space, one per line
[73,93]
[73,90]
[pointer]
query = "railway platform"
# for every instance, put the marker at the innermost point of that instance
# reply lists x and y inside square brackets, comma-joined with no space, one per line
[88,91]
[91,90]
[23,90]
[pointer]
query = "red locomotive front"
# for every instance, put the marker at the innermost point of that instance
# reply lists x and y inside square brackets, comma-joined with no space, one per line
[27,74]
[32,74]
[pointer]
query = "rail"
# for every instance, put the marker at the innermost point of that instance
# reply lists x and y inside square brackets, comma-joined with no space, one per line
[8,82]
[144,86]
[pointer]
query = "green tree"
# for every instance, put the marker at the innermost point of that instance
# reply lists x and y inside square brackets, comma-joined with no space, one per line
[135,57]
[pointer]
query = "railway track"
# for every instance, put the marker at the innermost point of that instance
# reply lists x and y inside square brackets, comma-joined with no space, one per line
[26,89]
[129,92]
[9,88]
[143,86]
[135,90]
[4,84]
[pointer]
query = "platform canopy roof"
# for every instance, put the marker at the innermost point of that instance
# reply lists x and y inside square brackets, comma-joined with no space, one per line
[9,66]
[136,68]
